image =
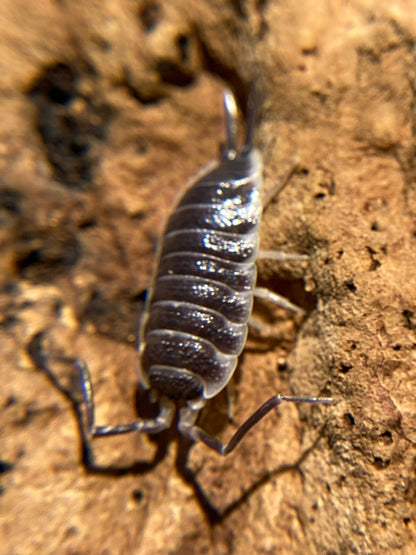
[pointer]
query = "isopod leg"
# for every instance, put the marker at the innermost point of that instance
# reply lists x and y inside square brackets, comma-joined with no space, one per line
[187,418]
[161,422]
[280,256]
[41,359]
[267,295]
[230,392]
[259,327]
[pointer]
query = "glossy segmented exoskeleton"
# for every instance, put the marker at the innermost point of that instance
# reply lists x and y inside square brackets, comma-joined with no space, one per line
[195,324]
[195,320]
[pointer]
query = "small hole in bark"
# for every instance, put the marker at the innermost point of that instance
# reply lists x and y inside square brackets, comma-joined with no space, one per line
[170,72]
[282,365]
[341,481]
[149,16]
[71,532]
[311,51]
[183,45]
[5,466]
[408,315]
[349,419]
[137,495]
[381,463]
[345,368]
[88,223]
[350,285]
[10,401]
[386,437]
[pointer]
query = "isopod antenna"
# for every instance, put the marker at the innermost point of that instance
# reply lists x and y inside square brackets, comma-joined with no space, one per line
[187,418]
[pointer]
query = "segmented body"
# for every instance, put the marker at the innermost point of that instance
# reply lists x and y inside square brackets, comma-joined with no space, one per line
[195,324]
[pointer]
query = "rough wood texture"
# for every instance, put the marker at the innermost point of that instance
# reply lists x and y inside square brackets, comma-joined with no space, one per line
[106,109]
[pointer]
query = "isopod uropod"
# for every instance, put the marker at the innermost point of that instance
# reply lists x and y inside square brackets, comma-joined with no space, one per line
[196,314]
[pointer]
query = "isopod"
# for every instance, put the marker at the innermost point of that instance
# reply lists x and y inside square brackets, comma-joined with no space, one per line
[195,321]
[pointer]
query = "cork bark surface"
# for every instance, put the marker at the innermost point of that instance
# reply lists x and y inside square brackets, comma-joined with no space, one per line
[107,109]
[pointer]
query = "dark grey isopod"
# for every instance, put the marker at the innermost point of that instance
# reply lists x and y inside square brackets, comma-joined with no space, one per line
[194,325]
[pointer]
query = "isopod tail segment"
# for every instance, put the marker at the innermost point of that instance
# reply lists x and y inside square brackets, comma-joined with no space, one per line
[194,323]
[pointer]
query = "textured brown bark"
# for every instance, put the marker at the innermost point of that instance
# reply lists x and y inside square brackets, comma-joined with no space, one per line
[106,110]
